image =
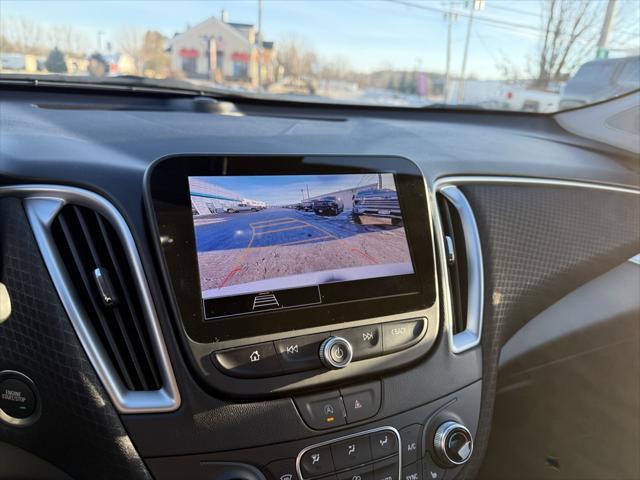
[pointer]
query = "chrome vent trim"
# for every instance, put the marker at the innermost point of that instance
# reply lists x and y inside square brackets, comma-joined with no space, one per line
[470,337]
[467,339]
[42,203]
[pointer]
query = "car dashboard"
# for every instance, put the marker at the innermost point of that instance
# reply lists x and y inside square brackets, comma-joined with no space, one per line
[141,348]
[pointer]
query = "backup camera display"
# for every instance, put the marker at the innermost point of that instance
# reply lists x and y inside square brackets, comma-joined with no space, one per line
[272,242]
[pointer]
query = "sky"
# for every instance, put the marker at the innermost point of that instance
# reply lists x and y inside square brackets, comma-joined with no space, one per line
[285,189]
[370,34]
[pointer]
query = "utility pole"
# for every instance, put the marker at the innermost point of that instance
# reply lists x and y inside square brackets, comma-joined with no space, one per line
[475,5]
[260,50]
[302,191]
[380,181]
[308,196]
[445,88]
[602,51]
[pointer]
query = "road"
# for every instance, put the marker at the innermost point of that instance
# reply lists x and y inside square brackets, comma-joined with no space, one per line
[252,246]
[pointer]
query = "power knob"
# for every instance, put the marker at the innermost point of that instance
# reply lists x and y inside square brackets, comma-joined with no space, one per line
[336,352]
[452,444]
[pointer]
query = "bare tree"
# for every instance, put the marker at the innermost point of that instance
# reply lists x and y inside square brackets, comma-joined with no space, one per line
[570,29]
[507,68]
[7,44]
[296,58]
[336,68]
[131,41]
[625,31]
[67,38]
[23,34]
[154,56]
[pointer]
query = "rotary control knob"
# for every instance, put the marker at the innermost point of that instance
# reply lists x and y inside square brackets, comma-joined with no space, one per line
[452,444]
[336,352]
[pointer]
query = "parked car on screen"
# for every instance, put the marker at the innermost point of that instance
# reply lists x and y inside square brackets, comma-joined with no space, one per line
[601,79]
[243,207]
[330,205]
[377,202]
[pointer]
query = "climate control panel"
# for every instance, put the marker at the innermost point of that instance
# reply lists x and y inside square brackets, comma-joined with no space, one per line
[405,445]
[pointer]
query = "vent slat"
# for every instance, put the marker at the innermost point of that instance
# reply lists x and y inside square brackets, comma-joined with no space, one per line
[136,364]
[142,340]
[99,261]
[87,237]
[86,242]
[106,330]
[458,280]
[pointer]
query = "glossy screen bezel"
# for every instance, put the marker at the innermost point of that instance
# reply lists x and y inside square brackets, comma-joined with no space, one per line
[169,195]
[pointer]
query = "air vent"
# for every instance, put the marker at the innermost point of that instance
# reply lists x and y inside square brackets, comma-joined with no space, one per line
[101,274]
[456,257]
[461,259]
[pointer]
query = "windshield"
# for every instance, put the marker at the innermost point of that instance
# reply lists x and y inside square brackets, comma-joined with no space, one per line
[537,56]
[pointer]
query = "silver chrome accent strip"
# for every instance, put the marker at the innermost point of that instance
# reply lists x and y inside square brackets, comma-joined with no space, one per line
[42,203]
[470,337]
[471,179]
[460,344]
[346,437]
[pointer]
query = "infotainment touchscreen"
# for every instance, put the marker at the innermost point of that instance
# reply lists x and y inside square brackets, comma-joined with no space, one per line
[267,242]
[256,246]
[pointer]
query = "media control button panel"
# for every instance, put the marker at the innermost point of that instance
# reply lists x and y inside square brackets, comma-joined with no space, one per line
[336,349]
[372,455]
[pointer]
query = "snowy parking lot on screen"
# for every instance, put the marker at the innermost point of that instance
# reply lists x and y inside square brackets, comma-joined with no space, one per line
[265,233]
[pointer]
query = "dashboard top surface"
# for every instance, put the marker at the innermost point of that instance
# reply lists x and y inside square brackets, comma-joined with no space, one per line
[54,134]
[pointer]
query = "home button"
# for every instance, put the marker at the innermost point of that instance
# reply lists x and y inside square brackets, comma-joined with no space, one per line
[254,361]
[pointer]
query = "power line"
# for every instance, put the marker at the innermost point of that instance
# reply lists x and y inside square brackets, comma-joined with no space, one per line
[493,22]
[489,20]
[515,10]
[486,47]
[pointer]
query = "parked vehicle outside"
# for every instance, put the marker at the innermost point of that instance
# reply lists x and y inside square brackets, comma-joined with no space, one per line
[330,205]
[534,100]
[377,202]
[601,79]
